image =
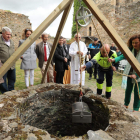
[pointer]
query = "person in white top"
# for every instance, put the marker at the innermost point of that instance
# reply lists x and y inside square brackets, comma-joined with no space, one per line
[75,61]
[28,58]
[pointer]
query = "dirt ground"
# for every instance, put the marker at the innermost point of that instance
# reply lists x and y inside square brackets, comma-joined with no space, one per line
[117,94]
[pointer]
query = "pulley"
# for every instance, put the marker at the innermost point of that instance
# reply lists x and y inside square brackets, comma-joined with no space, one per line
[83,16]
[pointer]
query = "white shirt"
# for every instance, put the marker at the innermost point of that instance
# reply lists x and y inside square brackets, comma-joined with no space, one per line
[7,42]
[48,51]
[75,62]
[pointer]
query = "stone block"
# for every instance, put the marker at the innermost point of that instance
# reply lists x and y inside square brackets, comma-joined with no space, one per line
[31,136]
[13,125]
[8,138]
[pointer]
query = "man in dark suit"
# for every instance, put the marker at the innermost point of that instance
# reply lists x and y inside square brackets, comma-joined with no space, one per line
[43,50]
[61,59]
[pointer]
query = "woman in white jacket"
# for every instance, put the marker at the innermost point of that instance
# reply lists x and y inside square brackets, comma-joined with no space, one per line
[28,63]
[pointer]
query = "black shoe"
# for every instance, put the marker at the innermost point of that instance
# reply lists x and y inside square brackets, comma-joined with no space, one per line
[89,78]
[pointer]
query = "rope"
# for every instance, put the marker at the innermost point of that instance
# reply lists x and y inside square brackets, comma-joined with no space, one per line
[80,85]
[111,63]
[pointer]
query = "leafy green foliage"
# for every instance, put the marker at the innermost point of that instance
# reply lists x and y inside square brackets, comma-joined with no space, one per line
[76,8]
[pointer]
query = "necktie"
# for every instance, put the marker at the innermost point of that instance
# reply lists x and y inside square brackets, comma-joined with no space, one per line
[45,53]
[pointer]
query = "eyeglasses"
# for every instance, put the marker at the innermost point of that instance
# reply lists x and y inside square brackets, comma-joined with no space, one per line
[77,37]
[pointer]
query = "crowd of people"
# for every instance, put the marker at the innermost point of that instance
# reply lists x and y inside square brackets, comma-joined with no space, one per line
[66,57]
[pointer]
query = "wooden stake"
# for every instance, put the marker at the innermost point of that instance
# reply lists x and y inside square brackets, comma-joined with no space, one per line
[16,55]
[62,23]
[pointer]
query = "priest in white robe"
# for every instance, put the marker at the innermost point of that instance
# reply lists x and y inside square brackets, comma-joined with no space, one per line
[75,61]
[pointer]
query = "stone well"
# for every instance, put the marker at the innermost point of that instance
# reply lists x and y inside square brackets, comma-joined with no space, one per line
[44,112]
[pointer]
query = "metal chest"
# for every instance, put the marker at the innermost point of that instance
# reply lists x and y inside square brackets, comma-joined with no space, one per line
[81,113]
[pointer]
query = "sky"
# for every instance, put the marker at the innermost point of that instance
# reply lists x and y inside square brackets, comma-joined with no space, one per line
[38,11]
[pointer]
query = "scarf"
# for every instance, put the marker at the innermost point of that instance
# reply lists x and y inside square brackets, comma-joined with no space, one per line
[128,67]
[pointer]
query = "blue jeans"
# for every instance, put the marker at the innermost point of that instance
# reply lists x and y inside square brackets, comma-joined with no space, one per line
[9,81]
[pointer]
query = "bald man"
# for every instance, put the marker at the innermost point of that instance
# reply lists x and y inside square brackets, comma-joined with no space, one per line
[103,69]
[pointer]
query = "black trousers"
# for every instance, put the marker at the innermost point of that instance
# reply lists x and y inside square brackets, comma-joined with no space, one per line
[100,80]
[9,81]
[59,77]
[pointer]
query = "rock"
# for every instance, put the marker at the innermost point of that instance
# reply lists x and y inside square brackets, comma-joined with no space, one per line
[32,92]
[6,128]
[46,137]
[103,135]
[31,136]
[12,117]
[28,128]
[10,93]
[8,138]
[13,125]
[1,105]
[2,96]
[20,100]
[1,124]
[80,138]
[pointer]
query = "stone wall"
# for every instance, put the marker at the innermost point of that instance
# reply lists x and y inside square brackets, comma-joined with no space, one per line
[125,19]
[17,106]
[16,22]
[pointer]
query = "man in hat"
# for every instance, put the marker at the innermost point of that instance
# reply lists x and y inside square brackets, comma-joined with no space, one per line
[93,49]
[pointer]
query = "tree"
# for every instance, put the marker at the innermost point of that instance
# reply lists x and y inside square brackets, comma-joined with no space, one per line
[76,8]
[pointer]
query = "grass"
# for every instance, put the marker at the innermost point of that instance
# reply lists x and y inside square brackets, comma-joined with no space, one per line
[20,83]
[116,82]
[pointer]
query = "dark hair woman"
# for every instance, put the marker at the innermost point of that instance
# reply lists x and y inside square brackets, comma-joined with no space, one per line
[134,46]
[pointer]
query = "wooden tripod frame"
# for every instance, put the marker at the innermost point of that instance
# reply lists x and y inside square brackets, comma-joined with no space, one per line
[65,6]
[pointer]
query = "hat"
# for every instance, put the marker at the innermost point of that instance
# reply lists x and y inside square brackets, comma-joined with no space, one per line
[95,39]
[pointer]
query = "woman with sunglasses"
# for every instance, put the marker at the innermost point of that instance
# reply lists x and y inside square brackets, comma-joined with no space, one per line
[28,63]
[134,46]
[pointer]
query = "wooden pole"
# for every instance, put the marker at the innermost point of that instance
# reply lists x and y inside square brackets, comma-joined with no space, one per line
[113,35]
[59,31]
[16,55]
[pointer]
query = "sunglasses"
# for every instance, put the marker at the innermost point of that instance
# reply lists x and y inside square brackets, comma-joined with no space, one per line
[28,30]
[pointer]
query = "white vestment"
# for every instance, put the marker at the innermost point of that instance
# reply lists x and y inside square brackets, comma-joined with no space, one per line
[75,62]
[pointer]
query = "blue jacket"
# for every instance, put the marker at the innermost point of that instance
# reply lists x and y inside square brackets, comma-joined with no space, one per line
[92,45]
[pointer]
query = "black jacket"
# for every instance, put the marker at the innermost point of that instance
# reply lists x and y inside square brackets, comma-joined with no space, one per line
[59,55]
[66,47]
